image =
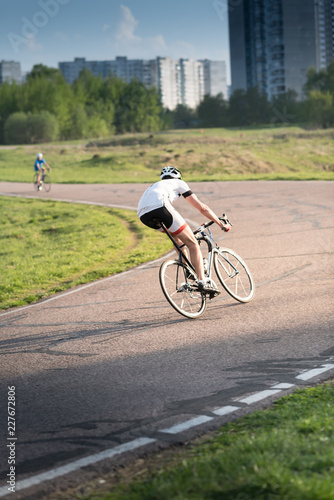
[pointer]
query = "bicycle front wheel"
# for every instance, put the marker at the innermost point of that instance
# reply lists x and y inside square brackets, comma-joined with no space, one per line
[179,290]
[46,183]
[233,274]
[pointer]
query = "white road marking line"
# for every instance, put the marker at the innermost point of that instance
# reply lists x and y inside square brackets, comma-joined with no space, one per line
[175,429]
[259,395]
[282,386]
[224,410]
[193,422]
[78,464]
[313,373]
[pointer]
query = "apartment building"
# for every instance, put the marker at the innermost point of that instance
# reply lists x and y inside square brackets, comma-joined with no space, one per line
[10,71]
[184,81]
[273,43]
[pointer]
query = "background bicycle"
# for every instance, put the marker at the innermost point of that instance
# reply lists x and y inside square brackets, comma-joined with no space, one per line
[44,184]
[178,279]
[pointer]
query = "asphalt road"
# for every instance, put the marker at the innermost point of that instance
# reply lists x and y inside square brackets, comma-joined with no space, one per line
[110,363]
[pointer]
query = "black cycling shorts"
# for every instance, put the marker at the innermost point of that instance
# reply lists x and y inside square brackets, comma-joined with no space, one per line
[171,219]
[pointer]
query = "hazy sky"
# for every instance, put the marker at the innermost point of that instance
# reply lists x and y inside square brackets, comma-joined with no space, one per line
[49,31]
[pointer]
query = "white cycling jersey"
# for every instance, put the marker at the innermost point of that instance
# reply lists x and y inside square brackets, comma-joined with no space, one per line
[162,193]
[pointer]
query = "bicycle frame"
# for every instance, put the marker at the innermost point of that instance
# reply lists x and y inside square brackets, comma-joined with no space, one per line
[178,277]
[208,238]
[205,235]
[182,256]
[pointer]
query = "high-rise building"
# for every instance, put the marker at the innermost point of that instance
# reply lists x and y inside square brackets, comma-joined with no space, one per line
[215,78]
[185,81]
[168,81]
[124,68]
[325,31]
[10,71]
[273,43]
[192,82]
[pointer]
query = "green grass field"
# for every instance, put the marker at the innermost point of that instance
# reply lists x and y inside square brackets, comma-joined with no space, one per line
[285,452]
[49,246]
[290,153]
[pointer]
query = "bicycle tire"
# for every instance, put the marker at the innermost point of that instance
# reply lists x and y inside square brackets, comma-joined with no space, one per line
[233,274]
[35,181]
[178,290]
[46,183]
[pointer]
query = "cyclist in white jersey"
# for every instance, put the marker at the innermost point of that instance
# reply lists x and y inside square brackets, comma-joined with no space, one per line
[156,205]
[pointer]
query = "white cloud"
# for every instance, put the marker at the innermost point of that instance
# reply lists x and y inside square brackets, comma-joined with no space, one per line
[31,43]
[127,26]
[127,42]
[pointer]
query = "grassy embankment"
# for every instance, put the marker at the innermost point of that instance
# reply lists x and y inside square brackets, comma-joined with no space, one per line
[290,153]
[49,246]
[285,452]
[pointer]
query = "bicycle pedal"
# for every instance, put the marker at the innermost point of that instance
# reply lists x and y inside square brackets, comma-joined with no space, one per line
[214,294]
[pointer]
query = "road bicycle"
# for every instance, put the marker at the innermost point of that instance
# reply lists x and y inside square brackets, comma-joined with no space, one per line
[178,278]
[44,182]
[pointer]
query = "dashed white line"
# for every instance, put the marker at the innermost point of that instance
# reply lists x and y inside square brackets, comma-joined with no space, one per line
[259,395]
[78,464]
[283,385]
[225,410]
[316,371]
[188,424]
[175,429]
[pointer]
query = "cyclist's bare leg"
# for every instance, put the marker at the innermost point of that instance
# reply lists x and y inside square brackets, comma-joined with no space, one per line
[187,237]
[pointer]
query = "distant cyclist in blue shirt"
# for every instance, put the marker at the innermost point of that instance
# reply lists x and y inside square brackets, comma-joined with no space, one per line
[39,167]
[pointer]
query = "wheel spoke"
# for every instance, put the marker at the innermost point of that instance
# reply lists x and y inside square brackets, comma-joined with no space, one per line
[178,291]
[234,275]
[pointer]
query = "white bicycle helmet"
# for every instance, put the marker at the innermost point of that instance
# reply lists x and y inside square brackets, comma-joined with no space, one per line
[39,155]
[170,173]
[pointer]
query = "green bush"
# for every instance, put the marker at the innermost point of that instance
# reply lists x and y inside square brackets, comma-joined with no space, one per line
[42,127]
[16,128]
[23,128]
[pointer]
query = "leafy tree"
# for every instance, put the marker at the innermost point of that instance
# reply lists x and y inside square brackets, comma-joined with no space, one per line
[212,111]
[42,127]
[41,71]
[249,107]
[318,108]
[138,109]
[285,108]
[96,127]
[15,130]
[183,116]
[23,128]
[322,80]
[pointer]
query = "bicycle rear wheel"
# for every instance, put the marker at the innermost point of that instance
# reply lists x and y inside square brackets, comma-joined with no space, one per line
[35,181]
[179,290]
[46,183]
[233,274]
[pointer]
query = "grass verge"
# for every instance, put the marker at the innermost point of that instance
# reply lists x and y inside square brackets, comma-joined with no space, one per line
[48,246]
[277,153]
[284,452]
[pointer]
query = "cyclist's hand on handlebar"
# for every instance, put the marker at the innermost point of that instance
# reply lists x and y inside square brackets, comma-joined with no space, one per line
[226,225]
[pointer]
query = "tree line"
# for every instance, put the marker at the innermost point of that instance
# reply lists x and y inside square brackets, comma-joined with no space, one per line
[252,107]
[47,108]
